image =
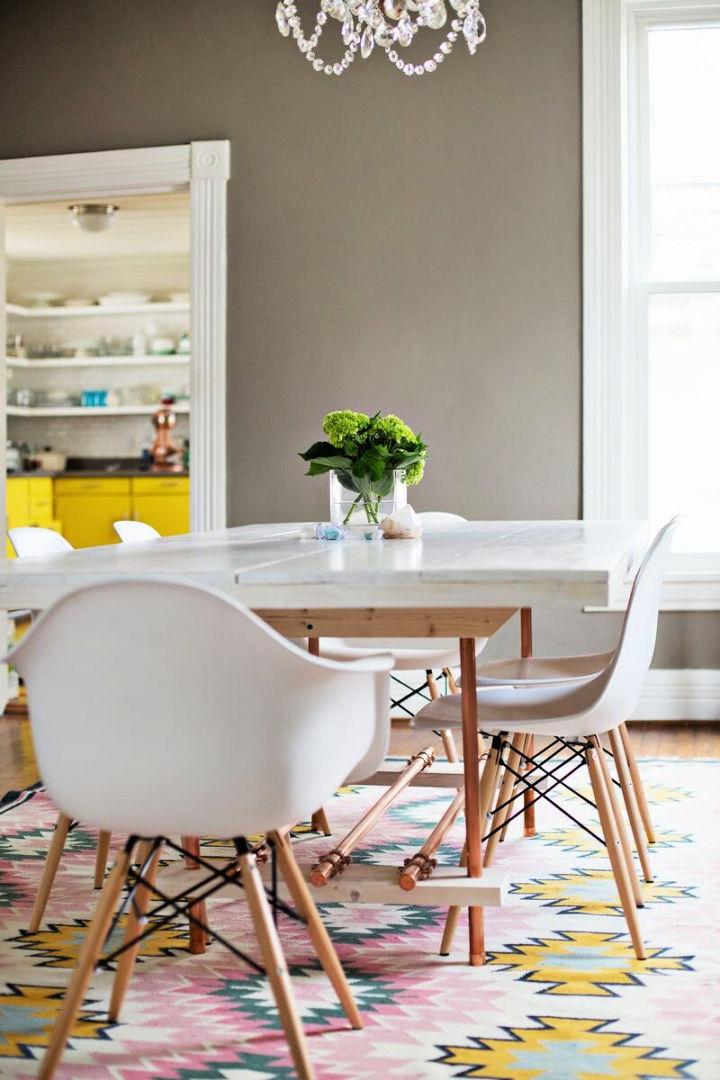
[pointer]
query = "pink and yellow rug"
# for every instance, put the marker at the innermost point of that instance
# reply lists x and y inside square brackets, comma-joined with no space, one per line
[561,998]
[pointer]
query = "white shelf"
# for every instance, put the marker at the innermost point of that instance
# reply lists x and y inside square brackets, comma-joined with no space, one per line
[93,410]
[99,361]
[97,309]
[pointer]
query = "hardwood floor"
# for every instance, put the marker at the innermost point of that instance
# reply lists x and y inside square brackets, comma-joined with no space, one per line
[18,767]
[686,739]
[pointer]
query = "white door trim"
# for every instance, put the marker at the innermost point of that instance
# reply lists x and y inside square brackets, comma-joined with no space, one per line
[204,169]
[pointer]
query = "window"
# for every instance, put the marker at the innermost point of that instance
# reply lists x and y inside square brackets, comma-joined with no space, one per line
[680,248]
[652,272]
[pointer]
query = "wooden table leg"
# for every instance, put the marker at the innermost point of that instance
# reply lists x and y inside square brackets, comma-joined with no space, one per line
[471,760]
[319,822]
[526,649]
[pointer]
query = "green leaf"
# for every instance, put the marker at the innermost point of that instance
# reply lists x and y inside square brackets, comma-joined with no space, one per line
[374,462]
[337,461]
[383,486]
[316,469]
[319,449]
[346,479]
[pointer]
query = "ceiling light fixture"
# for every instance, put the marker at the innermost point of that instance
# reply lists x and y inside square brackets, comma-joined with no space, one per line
[93,217]
[386,24]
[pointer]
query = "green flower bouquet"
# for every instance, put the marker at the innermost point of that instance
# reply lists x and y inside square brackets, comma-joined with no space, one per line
[370,459]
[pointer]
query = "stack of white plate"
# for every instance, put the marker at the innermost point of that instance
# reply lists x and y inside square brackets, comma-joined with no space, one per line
[124,299]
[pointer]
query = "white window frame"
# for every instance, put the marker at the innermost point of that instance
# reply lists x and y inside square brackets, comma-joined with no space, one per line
[615,380]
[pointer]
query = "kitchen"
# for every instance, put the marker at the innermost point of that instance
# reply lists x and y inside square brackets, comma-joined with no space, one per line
[98,366]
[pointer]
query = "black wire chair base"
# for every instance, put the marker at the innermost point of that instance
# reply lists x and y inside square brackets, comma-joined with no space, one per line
[422,692]
[182,903]
[550,779]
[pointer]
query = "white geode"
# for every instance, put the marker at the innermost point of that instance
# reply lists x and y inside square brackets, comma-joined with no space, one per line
[404,524]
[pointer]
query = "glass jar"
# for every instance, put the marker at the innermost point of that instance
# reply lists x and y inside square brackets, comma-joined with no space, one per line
[363,510]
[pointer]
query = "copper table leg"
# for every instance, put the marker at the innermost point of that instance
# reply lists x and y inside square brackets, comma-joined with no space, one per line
[526,649]
[471,761]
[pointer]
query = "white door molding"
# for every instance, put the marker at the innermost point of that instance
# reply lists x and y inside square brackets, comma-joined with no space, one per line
[203,168]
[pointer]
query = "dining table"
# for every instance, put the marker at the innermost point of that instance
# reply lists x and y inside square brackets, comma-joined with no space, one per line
[465,583]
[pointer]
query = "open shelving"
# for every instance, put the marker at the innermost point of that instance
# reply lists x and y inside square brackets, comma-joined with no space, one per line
[99,361]
[156,308]
[180,407]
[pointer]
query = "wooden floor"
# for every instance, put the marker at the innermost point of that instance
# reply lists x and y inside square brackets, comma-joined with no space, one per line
[686,739]
[18,767]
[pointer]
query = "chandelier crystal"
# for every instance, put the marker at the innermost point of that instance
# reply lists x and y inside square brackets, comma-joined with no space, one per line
[367,25]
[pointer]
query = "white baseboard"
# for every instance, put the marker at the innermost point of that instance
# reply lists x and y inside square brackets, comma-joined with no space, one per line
[680,694]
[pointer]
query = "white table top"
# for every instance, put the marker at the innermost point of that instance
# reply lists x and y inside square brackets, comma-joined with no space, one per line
[502,564]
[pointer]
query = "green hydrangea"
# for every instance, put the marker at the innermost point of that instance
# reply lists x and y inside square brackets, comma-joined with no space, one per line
[393,429]
[414,473]
[343,424]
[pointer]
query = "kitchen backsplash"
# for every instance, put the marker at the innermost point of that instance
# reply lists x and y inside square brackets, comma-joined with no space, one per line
[93,436]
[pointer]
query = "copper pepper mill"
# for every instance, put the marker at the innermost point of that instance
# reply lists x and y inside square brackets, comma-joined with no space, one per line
[166,455]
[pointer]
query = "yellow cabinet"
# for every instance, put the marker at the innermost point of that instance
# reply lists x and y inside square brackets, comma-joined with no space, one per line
[88,506]
[29,501]
[84,508]
[163,502]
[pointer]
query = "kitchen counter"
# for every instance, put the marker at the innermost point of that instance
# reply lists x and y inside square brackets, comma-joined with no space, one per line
[78,474]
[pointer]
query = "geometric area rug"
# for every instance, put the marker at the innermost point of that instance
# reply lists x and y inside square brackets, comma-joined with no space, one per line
[560,998]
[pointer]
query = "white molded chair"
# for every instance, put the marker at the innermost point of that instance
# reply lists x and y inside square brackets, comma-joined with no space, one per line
[412,654]
[576,712]
[131,532]
[151,657]
[28,540]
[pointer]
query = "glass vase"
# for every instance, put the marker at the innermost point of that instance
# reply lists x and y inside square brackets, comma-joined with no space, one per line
[362,511]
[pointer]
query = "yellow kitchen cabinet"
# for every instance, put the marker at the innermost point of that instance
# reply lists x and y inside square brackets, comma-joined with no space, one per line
[88,506]
[163,502]
[29,501]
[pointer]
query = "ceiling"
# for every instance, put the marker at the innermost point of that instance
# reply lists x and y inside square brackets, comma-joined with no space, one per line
[145,225]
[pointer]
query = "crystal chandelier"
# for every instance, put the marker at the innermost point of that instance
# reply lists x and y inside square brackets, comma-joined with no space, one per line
[386,25]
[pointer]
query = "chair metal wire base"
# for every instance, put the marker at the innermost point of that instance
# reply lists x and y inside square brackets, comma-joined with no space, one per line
[183,902]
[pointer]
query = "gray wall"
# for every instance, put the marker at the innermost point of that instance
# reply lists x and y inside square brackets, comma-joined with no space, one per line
[410,245]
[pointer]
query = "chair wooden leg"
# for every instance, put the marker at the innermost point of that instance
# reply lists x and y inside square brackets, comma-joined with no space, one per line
[637,783]
[319,822]
[274,963]
[631,806]
[448,739]
[452,919]
[198,938]
[449,745]
[526,649]
[452,681]
[506,788]
[526,747]
[57,845]
[488,784]
[620,825]
[134,926]
[303,900]
[101,856]
[89,953]
[615,852]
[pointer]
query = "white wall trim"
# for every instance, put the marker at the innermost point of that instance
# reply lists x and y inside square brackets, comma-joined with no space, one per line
[204,168]
[680,694]
[210,170]
[604,255]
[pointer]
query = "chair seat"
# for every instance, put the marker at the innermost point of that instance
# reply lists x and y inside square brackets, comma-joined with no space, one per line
[409,654]
[536,670]
[552,708]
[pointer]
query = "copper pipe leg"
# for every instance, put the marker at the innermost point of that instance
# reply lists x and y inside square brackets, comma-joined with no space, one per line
[337,859]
